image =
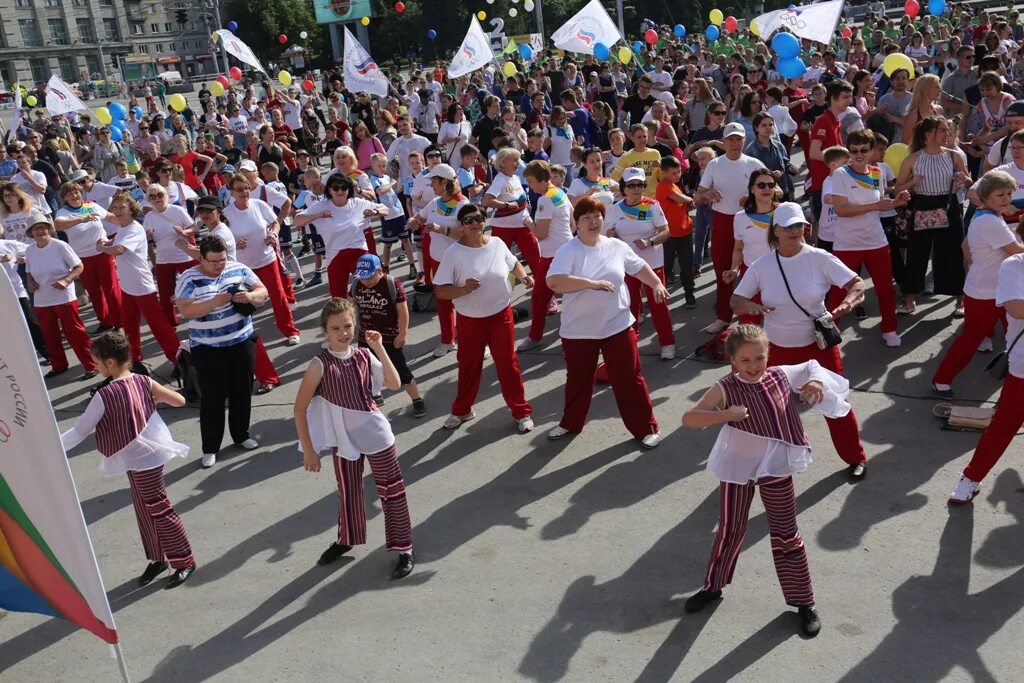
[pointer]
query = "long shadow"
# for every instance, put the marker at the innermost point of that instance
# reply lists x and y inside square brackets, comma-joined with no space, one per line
[670,654]
[1002,547]
[750,651]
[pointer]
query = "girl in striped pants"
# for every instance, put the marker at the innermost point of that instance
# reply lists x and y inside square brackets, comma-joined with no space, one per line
[335,410]
[135,441]
[762,444]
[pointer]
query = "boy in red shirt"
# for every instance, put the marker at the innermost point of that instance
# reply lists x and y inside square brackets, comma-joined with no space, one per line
[676,207]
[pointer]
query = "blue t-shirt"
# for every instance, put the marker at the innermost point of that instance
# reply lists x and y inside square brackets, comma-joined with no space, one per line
[389,198]
[223,326]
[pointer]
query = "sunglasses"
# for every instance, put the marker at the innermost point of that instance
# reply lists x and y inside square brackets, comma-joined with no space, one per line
[719,112]
[764,186]
[636,186]
[472,220]
[793,226]
[434,155]
[156,196]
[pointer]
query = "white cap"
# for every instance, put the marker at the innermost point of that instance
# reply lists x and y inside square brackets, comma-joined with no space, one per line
[788,213]
[442,171]
[633,173]
[734,128]
[247,165]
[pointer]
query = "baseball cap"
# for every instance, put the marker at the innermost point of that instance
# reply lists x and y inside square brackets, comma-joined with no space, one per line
[228,168]
[1015,108]
[633,173]
[366,266]
[442,171]
[247,165]
[734,128]
[208,202]
[78,175]
[788,213]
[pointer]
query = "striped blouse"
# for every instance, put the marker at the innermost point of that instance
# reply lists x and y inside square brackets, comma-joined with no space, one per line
[223,326]
[937,170]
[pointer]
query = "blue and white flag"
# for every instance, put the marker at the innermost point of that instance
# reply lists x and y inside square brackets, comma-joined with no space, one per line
[588,27]
[814,22]
[474,53]
[362,73]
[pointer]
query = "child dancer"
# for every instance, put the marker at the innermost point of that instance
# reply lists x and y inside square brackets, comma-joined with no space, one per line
[135,441]
[334,410]
[762,443]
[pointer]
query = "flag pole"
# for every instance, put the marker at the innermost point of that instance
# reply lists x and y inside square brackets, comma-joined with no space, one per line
[121,663]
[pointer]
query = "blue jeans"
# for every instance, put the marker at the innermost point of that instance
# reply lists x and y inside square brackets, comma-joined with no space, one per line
[701,235]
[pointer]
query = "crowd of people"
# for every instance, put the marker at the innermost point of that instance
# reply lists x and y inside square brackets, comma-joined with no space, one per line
[597,186]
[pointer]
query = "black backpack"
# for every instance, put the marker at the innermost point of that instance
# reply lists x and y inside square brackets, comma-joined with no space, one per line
[188,377]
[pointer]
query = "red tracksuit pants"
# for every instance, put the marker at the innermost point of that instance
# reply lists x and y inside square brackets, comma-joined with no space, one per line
[387,476]
[445,307]
[270,276]
[722,244]
[147,306]
[498,332]
[525,240]
[340,269]
[163,534]
[540,298]
[65,316]
[659,311]
[879,265]
[994,441]
[166,276]
[263,368]
[980,318]
[99,277]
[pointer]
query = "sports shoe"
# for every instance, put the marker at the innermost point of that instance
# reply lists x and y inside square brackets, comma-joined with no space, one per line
[299,282]
[333,552]
[443,350]
[400,258]
[964,492]
[87,375]
[668,352]
[891,339]
[559,432]
[419,407]
[454,421]
[859,312]
[651,440]
[525,424]
[810,624]
[986,345]
[209,460]
[54,373]
[100,329]
[553,306]
[317,279]
[942,390]
[487,353]
[857,470]
[294,340]
[701,599]
[249,444]
[958,310]
[264,389]
[139,368]
[379,400]
[406,561]
[691,301]
[528,344]
[716,327]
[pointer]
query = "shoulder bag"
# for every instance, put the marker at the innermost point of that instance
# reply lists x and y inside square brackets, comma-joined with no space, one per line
[938,218]
[999,366]
[826,334]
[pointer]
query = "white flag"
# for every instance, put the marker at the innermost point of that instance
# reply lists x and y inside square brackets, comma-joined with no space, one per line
[362,73]
[238,49]
[813,22]
[589,26]
[16,117]
[474,53]
[60,99]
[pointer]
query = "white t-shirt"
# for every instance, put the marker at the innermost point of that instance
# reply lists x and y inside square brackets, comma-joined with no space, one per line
[14,249]
[83,237]
[177,195]
[344,229]
[444,214]
[224,232]
[562,141]
[422,190]
[589,313]
[858,233]
[133,265]
[889,178]
[239,125]
[164,235]
[632,223]
[752,229]
[508,189]
[730,178]
[993,157]
[827,224]
[1010,287]
[663,79]
[401,148]
[39,197]
[102,193]
[15,226]
[554,206]
[581,187]
[986,239]
[46,266]
[811,273]
[250,224]
[491,265]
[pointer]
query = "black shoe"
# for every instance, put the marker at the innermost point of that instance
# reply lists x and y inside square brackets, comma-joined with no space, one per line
[419,407]
[379,400]
[264,389]
[406,561]
[671,279]
[858,470]
[44,361]
[859,313]
[87,375]
[400,258]
[154,570]
[691,301]
[942,393]
[810,624]
[181,576]
[140,368]
[315,280]
[100,329]
[701,599]
[333,553]
[54,373]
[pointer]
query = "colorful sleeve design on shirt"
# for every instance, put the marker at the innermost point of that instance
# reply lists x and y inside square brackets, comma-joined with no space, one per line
[603,184]
[643,211]
[556,196]
[760,220]
[869,181]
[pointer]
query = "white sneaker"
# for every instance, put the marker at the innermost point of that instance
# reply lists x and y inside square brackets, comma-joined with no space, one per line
[891,339]
[454,421]
[209,460]
[651,440]
[293,305]
[986,345]
[525,425]
[528,344]
[668,352]
[443,349]
[248,444]
[487,353]
[964,492]
[294,340]
[716,327]
[559,432]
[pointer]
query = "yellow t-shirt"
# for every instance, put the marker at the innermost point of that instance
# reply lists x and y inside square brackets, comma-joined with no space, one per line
[649,160]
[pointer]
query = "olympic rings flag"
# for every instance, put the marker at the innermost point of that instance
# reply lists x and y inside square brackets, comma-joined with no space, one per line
[47,564]
[237,49]
[814,22]
[587,28]
[362,73]
[474,53]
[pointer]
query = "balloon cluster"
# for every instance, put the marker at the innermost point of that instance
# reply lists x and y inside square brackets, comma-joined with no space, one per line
[113,117]
[787,47]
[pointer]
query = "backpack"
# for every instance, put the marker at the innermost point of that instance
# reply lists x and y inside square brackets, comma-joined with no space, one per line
[392,288]
[188,377]
[423,299]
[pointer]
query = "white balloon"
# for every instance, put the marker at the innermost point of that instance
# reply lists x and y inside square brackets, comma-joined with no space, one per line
[528,6]
[303,35]
[512,12]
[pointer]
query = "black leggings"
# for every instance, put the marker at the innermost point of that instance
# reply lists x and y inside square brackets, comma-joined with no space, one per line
[944,248]
[225,374]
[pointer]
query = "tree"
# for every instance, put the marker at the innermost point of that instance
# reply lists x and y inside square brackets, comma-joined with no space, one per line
[260,22]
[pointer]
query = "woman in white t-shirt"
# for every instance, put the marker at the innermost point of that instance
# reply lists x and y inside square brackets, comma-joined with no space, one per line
[589,271]
[592,182]
[810,274]
[639,221]
[52,268]
[15,208]
[12,258]
[130,250]
[454,134]
[509,200]
[558,137]
[474,276]
[165,224]
[750,230]
[989,242]
[32,182]
[82,222]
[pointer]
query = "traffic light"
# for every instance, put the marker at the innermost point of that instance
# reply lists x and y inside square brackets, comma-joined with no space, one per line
[181,16]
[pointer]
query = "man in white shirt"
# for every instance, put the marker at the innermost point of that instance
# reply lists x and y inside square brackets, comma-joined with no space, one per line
[405,144]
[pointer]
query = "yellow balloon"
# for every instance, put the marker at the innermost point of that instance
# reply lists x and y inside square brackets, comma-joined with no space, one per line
[481,15]
[214,37]
[895,155]
[510,69]
[103,114]
[625,54]
[217,89]
[716,17]
[754,28]
[284,78]
[31,100]
[365,21]
[895,61]
[178,102]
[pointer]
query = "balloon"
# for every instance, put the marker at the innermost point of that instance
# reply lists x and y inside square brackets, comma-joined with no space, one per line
[224,82]
[526,52]
[509,69]
[638,47]
[512,12]
[232,26]
[399,7]
[308,85]
[895,61]
[284,78]
[601,51]
[791,7]
[786,45]
[282,39]
[431,34]
[625,55]
[120,125]
[490,2]
[847,32]
[731,25]
[217,89]
[679,30]
[651,36]
[528,6]
[936,8]
[236,73]
[712,33]
[103,115]
[116,134]
[365,21]
[214,37]
[895,155]
[137,110]
[911,8]
[178,102]
[481,15]
[791,68]
[303,35]
[716,16]
[31,100]
[117,111]
[754,28]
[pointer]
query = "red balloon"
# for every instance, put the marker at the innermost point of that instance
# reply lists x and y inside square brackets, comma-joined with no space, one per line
[308,85]
[847,32]
[223,81]
[399,7]
[651,36]
[236,73]
[911,8]
[731,24]
[282,39]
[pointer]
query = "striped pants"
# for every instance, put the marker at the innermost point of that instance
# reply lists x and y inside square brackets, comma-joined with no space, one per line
[387,475]
[163,534]
[779,500]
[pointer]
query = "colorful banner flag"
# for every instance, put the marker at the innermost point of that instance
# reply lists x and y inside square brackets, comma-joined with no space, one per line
[813,22]
[47,565]
[474,53]
[588,27]
[238,49]
[362,73]
[60,99]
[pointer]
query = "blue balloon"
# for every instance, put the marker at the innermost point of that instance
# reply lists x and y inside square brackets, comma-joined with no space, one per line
[138,111]
[232,26]
[679,30]
[936,8]
[431,34]
[526,52]
[601,51]
[792,68]
[786,45]
[791,7]
[117,111]
[115,134]
[638,47]
[119,124]
[712,33]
